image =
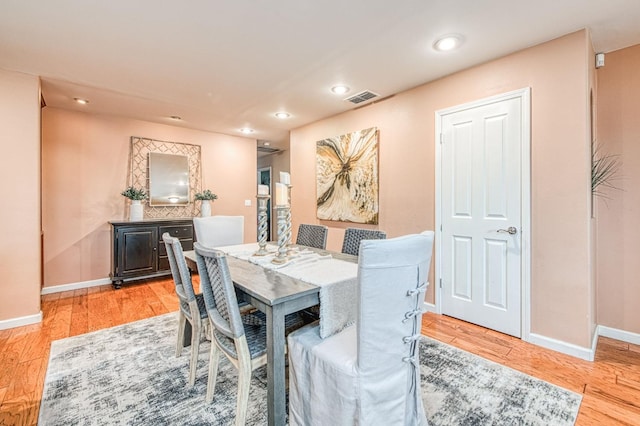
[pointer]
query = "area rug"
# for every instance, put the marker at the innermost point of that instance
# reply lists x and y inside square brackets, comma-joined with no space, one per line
[128,375]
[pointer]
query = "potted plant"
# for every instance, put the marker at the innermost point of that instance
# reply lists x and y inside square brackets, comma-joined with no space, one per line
[136,195]
[206,197]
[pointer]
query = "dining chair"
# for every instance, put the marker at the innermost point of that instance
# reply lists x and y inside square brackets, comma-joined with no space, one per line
[353,236]
[369,373]
[192,306]
[242,338]
[312,236]
[219,231]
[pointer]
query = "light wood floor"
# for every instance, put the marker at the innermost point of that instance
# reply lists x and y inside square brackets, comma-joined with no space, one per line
[610,385]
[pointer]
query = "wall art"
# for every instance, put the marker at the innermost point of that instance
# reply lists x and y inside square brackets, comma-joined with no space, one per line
[347,177]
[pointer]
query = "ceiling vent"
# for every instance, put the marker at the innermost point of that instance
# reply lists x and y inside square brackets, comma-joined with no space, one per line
[358,98]
[267,150]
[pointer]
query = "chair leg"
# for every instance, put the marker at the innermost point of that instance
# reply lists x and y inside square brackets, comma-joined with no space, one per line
[195,348]
[244,381]
[182,322]
[214,358]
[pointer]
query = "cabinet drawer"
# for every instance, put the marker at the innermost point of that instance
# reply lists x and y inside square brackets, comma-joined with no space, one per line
[163,263]
[184,231]
[186,245]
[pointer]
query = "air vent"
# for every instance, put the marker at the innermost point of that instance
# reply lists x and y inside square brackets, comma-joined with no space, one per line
[358,98]
[267,150]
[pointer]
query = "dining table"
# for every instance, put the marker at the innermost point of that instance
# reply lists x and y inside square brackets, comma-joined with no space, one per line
[310,277]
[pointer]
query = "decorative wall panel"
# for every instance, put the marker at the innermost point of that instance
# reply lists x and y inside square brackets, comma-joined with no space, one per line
[139,174]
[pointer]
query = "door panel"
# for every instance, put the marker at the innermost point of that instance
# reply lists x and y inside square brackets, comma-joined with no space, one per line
[480,196]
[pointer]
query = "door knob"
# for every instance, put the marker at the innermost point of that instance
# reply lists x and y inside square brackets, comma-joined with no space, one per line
[510,230]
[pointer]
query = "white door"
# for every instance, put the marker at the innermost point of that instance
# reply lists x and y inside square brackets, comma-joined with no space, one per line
[480,211]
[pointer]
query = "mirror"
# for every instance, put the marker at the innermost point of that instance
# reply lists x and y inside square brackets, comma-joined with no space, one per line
[168,179]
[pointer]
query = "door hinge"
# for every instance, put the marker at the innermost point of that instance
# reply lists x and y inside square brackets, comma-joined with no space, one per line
[441,138]
[440,282]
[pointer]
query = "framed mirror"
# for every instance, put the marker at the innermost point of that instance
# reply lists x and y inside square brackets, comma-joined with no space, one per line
[168,179]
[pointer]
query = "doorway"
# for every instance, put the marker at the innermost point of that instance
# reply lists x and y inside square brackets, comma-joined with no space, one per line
[483,212]
[264,178]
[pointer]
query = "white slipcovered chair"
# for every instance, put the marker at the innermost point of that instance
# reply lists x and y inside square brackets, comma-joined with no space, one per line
[369,373]
[219,231]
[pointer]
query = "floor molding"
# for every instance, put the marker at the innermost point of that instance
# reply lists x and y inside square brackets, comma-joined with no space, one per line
[20,321]
[75,286]
[614,333]
[563,347]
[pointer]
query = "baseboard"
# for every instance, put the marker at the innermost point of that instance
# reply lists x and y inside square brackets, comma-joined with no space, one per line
[562,347]
[20,321]
[614,333]
[430,307]
[75,286]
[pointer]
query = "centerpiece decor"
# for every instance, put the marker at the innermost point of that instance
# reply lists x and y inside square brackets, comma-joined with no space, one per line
[206,197]
[136,195]
[284,227]
[263,200]
[285,178]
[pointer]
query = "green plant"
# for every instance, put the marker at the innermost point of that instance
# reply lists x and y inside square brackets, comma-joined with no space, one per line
[604,170]
[206,195]
[134,193]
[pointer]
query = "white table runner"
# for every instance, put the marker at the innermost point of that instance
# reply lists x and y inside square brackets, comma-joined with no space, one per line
[336,278]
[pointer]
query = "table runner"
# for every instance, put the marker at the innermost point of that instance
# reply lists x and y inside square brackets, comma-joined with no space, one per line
[336,278]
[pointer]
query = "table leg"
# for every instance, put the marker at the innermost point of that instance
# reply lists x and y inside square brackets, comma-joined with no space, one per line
[276,392]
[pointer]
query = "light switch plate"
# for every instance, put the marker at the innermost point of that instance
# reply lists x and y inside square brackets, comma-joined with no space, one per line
[247,203]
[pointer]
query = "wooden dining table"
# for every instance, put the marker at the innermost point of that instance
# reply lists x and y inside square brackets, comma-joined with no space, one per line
[277,295]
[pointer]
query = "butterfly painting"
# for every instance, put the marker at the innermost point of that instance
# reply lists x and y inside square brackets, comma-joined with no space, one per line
[347,177]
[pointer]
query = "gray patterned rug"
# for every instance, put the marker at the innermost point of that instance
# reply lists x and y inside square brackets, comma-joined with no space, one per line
[128,375]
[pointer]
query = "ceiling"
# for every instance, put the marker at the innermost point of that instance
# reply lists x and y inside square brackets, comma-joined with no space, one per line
[224,65]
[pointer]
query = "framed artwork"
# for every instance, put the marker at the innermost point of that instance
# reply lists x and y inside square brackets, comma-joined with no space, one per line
[347,177]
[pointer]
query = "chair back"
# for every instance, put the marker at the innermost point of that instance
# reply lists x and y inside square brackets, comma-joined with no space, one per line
[218,291]
[219,231]
[180,273]
[312,236]
[353,236]
[392,280]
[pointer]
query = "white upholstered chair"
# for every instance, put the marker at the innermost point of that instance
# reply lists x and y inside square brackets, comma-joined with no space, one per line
[369,373]
[219,231]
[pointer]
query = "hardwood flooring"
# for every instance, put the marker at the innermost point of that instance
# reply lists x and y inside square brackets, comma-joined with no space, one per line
[610,385]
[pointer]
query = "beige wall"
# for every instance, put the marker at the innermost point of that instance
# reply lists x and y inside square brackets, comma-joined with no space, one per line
[20,258]
[84,169]
[557,73]
[618,119]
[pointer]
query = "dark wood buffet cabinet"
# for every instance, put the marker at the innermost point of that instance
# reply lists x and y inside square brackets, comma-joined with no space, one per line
[137,250]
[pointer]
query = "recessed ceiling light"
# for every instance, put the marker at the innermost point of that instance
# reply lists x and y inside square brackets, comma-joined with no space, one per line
[340,89]
[283,114]
[448,42]
[246,130]
[81,101]
[175,117]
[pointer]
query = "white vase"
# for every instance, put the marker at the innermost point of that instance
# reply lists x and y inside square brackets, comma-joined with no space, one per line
[205,208]
[136,211]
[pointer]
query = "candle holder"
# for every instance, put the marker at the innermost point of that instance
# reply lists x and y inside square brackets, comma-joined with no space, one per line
[281,213]
[263,201]
[290,249]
